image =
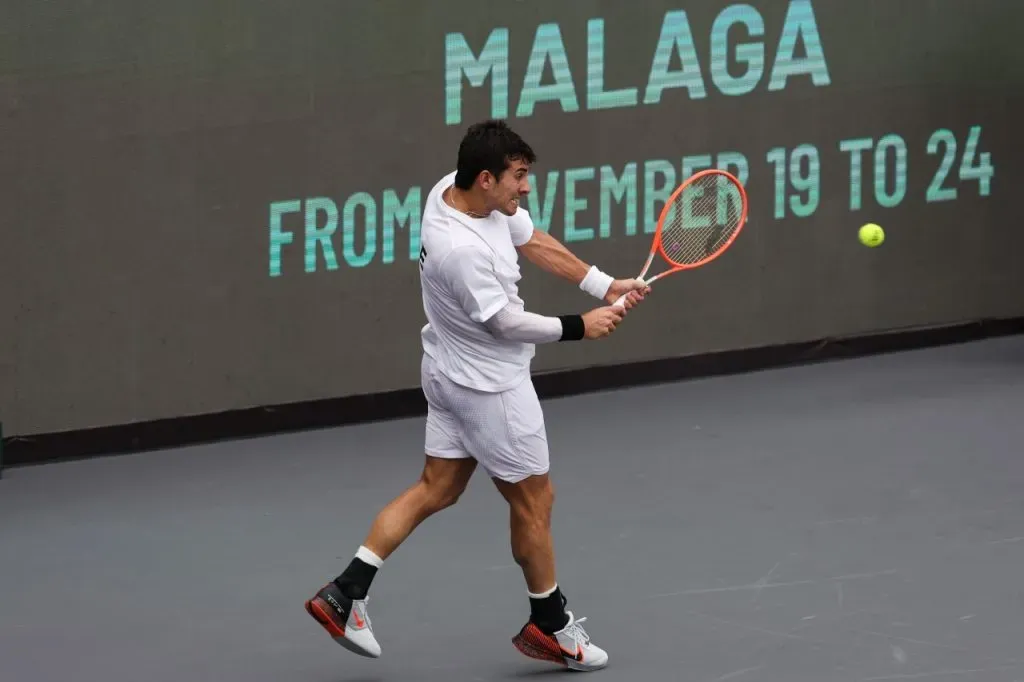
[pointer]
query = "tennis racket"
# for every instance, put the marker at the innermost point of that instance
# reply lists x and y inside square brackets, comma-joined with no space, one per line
[700,220]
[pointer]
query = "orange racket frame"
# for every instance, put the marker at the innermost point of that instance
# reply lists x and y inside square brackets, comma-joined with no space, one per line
[658,247]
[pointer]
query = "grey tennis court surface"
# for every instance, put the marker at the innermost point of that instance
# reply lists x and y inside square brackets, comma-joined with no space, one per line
[858,520]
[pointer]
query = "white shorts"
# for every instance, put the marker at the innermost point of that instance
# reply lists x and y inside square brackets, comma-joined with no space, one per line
[504,432]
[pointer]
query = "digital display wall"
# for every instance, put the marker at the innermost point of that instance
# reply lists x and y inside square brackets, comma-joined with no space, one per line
[210,209]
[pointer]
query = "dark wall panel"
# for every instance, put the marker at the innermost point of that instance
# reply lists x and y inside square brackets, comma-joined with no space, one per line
[166,167]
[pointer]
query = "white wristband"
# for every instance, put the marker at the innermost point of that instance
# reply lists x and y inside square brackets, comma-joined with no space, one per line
[596,283]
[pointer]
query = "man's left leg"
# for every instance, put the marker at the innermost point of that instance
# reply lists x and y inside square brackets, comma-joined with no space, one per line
[514,450]
[552,633]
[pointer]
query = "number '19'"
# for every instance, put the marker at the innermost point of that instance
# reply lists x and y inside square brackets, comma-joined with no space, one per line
[801,173]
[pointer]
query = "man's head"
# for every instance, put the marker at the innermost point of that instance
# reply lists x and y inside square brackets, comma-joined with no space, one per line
[493,165]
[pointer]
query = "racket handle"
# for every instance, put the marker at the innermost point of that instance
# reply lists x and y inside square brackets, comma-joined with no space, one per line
[621,300]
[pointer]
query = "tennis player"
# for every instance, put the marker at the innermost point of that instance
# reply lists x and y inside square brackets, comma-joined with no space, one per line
[482,407]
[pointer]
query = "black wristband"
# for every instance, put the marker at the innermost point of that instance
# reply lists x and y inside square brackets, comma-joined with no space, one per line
[573,328]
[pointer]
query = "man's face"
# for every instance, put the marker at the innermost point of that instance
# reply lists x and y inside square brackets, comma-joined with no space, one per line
[505,192]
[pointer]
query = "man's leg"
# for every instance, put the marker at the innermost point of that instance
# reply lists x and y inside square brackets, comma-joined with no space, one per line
[340,606]
[505,432]
[530,503]
[440,485]
[552,633]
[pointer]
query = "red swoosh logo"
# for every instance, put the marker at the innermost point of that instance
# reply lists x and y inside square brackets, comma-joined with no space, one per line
[578,655]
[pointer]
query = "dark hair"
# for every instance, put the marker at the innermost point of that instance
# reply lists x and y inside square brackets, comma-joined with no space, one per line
[489,146]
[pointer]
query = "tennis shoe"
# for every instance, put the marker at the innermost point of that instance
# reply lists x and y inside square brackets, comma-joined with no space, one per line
[346,620]
[570,647]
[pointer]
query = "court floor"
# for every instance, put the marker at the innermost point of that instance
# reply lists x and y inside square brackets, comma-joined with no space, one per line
[853,521]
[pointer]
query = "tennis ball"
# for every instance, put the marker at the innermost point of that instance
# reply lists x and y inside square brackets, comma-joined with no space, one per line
[871,235]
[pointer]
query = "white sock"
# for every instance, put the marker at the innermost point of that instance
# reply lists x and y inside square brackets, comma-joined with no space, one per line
[369,557]
[542,595]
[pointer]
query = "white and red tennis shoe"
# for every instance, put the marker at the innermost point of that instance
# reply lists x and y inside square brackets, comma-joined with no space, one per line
[570,646]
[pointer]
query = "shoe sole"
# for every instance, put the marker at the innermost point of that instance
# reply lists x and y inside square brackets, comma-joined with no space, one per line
[579,667]
[530,650]
[338,635]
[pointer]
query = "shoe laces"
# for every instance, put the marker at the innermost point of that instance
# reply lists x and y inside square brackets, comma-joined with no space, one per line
[576,631]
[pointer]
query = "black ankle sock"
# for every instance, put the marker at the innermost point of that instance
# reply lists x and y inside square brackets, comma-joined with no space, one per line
[549,612]
[355,581]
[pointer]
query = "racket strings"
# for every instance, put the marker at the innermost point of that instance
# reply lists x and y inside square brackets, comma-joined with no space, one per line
[701,220]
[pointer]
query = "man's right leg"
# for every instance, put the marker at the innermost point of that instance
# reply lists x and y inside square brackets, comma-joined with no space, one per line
[340,606]
[440,485]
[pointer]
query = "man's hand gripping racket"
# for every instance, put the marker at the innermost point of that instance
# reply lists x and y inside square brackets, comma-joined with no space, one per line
[700,220]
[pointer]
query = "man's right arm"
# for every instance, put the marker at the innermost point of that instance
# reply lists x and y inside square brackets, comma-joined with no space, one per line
[481,295]
[520,325]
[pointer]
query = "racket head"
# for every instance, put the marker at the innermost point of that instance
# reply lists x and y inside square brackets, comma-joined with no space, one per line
[701,219]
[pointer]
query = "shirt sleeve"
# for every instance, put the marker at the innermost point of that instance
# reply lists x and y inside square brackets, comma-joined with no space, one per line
[520,325]
[520,226]
[472,279]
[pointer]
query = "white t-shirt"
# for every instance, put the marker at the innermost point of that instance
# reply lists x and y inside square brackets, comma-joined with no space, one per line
[469,270]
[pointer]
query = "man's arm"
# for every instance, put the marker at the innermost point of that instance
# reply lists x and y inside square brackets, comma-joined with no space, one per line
[474,284]
[552,256]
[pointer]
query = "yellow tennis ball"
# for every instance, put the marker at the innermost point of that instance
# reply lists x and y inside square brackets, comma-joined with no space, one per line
[871,235]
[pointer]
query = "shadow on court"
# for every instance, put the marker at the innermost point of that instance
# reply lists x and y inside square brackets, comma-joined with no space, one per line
[852,521]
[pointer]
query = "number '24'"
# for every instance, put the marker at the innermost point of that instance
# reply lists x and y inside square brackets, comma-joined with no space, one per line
[972,165]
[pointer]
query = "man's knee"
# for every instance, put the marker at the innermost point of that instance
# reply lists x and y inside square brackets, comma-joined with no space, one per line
[445,481]
[441,498]
[531,500]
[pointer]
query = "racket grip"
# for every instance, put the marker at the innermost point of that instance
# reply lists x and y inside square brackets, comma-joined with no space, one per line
[620,302]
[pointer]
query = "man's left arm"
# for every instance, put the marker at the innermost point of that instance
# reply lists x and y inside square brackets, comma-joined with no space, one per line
[552,256]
